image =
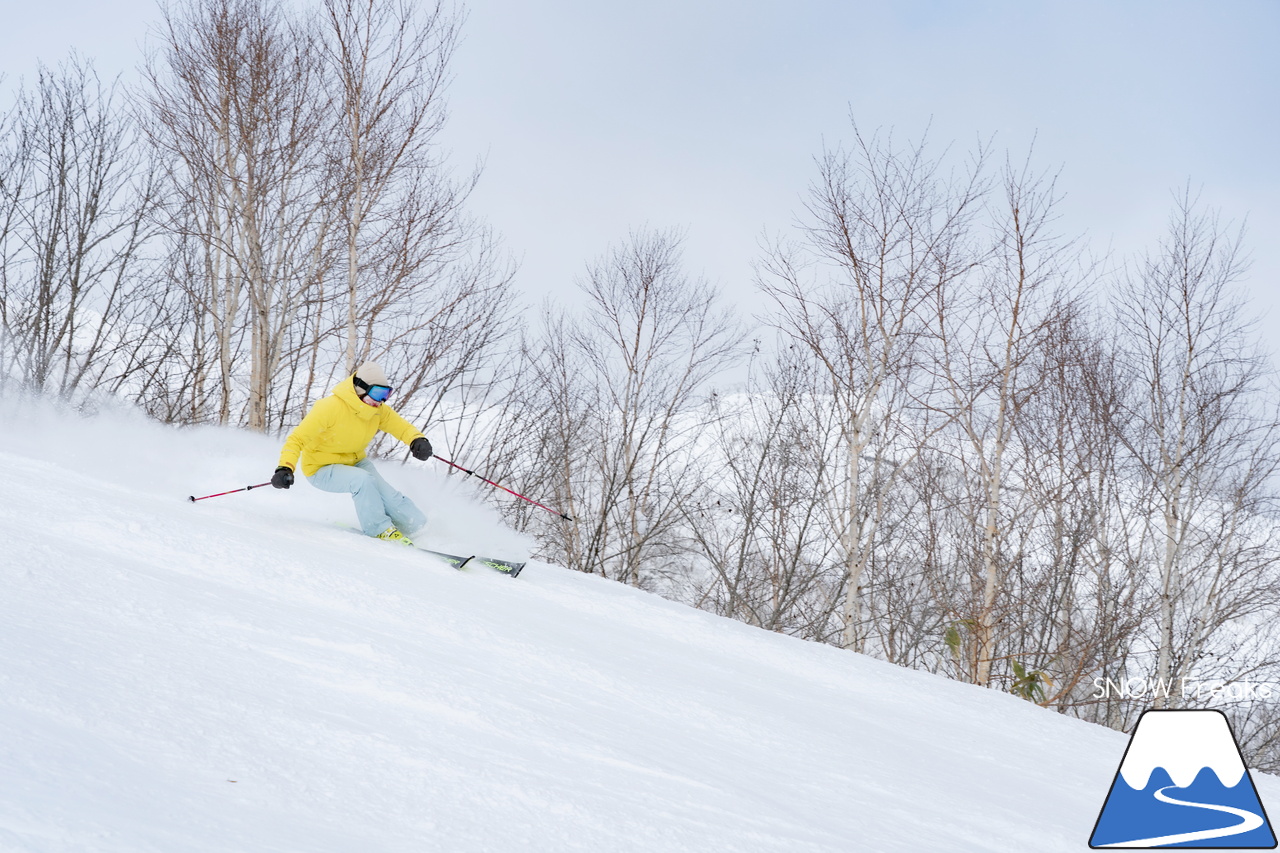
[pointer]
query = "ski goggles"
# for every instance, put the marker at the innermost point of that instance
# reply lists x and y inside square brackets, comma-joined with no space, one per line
[379,393]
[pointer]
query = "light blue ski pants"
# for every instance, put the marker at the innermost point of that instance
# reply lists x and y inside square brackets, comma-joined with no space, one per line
[378,505]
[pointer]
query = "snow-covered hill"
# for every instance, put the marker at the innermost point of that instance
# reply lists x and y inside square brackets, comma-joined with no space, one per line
[245,675]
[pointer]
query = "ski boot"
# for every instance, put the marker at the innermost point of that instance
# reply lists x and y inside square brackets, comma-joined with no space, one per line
[393,534]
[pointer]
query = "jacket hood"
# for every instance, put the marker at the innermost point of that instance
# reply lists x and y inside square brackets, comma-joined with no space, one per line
[346,392]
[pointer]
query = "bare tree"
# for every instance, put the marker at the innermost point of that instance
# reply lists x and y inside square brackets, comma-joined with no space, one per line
[889,229]
[427,290]
[389,60]
[237,102]
[759,522]
[989,335]
[448,323]
[619,380]
[1203,442]
[304,144]
[1079,596]
[75,197]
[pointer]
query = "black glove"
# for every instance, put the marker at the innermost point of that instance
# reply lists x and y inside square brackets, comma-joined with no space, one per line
[420,448]
[282,478]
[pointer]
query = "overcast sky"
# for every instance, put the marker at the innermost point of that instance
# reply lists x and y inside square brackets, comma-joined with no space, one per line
[594,118]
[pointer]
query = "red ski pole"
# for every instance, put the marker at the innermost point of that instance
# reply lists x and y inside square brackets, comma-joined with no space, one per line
[504,488]
[193,498]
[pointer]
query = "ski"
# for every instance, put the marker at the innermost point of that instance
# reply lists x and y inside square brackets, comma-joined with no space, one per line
[507,567]
[454,560]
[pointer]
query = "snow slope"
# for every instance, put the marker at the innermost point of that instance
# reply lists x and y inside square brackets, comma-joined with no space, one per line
[245,675]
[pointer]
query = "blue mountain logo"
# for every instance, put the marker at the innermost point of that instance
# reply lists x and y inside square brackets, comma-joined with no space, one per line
[1183,783]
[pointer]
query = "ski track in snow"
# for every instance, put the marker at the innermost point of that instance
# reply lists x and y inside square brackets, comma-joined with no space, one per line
[241,675]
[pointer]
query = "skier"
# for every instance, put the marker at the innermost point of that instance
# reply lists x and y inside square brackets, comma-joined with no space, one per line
[333,439]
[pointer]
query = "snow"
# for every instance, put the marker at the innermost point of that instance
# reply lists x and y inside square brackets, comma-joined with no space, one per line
[243,674]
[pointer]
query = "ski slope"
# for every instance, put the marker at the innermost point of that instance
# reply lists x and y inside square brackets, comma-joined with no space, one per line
[245,675]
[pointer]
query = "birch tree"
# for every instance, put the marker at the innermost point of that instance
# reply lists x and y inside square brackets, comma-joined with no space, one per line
[989,334]
[75,197]
[1203,440]
[620,379]
[759,521]
[886,230]
[389,61]
[237,103]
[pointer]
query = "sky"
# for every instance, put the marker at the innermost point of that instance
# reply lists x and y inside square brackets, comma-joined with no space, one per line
[594,119]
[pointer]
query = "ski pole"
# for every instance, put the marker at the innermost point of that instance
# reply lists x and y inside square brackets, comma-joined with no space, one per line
[193,498]
[504,488]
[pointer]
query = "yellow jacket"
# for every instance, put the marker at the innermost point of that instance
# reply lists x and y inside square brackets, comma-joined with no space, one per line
[338,430]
